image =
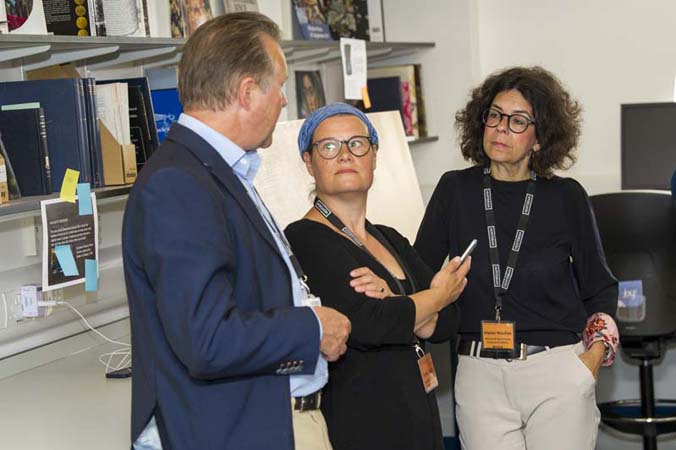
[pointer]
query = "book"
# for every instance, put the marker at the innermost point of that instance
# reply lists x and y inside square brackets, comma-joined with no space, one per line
[63,104]
[230,6]
[385,94]
[25,17]
[143,131]
[309,21]
[24,135]
[118,18]
[94,141]
[309,92]
[187,15]
[67,17]
[347,18]
[167,108]
[409,107]
[10,186]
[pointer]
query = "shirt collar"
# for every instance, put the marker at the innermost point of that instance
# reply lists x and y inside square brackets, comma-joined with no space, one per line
[244,163]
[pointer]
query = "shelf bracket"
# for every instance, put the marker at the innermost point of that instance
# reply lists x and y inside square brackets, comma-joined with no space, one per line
[9,54]
[70,55]
[131,56]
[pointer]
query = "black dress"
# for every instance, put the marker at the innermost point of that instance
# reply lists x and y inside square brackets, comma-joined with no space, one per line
[375,397]
[561,276]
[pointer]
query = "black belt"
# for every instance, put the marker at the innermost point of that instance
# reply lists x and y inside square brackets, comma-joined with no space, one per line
[308,402]
[473,348]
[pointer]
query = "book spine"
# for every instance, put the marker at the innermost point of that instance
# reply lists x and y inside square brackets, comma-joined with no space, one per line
[44,153]
[83,136]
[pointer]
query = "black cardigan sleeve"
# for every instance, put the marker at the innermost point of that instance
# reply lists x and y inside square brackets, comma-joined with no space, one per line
[448,321]
[327,260]
[597,285]
[432,242]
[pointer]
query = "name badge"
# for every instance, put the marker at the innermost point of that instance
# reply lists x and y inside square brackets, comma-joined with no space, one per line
[311,300]
[427,372]
[497,335]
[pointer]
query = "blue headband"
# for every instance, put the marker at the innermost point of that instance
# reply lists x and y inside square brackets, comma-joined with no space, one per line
[323,113]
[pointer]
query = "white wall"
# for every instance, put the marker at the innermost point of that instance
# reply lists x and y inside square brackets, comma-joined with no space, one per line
[607,52]
[449,70]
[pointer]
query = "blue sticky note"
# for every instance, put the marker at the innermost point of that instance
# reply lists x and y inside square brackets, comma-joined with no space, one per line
[66,260]
[91,275]
[84,198]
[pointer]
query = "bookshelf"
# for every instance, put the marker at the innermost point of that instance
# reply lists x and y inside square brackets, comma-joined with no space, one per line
[37,51]
[103,58]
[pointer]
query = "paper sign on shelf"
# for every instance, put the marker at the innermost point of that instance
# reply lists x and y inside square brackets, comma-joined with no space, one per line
[353,54]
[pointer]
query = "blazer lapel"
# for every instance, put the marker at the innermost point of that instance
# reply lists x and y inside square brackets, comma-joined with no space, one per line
[212,161]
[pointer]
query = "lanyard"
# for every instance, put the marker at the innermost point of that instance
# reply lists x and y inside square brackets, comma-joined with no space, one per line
[336,222]
[501,283]
[302,278]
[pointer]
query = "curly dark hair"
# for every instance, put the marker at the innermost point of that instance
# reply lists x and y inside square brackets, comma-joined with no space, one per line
[557,117]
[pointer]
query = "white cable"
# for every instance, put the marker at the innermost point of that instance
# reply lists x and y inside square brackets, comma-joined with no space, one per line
[59,303]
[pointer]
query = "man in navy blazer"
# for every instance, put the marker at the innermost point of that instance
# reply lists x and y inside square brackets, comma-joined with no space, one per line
[227,340]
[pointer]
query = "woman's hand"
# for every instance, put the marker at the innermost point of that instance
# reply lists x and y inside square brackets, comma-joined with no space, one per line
[593,358]
[452,278]
[426,329]
[366,282]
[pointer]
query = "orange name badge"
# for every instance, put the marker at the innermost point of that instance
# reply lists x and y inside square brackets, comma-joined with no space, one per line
[427,373]
[497,335]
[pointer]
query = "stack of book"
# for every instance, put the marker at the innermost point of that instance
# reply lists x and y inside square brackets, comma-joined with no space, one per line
[399,88]
[48,126]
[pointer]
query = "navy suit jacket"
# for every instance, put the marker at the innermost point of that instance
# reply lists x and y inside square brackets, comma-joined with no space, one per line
[214,330]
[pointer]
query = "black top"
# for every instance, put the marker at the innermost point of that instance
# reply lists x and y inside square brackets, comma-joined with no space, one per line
[561,276]
[375,397]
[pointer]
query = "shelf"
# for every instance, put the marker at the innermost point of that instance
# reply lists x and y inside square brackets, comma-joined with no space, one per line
[39,51]
[27,206]
[422,140]
[326,51]
[102,52]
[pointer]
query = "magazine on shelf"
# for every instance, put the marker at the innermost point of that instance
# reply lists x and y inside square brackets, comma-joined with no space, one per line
[118,17]
[24,17]
[67,17]
[333,19]
[231,6]
[187,15]
[309,21]
[309,92]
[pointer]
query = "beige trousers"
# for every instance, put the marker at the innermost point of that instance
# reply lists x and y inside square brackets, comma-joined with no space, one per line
[309,430]
[546,402]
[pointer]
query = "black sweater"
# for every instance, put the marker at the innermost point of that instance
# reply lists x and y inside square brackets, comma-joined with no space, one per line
[561,276]
[374,397]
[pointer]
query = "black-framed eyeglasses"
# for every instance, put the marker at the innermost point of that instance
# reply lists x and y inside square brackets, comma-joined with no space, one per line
[330,148]
[517,123]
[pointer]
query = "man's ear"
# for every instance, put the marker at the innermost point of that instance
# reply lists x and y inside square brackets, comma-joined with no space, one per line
[375,156]
[245,92]
[307,159]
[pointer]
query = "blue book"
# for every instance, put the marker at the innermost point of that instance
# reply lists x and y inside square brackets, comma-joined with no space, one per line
[167,107]
[63,103]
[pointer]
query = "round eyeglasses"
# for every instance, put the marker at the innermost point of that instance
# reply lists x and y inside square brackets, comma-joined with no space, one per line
[329,148]
[517,123]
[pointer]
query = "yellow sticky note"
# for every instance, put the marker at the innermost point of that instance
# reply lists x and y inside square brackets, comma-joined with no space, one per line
[365,97]
[69,185]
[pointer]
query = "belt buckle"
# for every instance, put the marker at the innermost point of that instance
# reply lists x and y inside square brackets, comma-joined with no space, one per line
[308,402]
[523,352]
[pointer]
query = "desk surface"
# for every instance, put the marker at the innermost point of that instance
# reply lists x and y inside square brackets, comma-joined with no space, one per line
[67,404]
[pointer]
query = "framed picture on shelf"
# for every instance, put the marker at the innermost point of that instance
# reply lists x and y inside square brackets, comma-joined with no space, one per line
[309,92]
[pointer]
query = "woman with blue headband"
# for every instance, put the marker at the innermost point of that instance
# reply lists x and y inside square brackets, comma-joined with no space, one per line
[380,394]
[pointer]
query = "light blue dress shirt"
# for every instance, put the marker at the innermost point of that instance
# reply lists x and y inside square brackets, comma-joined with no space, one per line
[245,165]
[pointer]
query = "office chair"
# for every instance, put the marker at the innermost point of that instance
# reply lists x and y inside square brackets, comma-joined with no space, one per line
[638,231]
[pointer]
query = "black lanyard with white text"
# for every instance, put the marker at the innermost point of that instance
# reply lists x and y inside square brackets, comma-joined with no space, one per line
[501,283]
[336,222]
[302,278]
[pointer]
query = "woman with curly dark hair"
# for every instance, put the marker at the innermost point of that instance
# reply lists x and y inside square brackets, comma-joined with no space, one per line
[537,310]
